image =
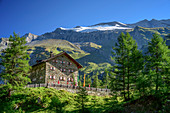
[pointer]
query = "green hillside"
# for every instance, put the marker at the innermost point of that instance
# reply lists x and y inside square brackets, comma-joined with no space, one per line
[50,100]
[40,50]
[41,100]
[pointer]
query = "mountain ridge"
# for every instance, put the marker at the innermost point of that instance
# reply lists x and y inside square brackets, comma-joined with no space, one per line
[91,49]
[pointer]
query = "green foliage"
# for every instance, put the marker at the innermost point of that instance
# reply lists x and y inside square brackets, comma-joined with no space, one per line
[92,68]
[158,63]
[106,79]
[15,62]
[82,100]
[50,100]
[96,81]
[74,82]
[57,104]
[80,81]
[128,63]
[88,80]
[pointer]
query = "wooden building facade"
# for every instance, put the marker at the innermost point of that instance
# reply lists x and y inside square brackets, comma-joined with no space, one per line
[59,69]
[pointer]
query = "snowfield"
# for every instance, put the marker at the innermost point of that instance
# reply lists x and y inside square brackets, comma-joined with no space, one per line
[96,28]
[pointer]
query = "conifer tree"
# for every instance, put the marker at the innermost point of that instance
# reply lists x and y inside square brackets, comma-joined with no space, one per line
[106,79]
[80,80]
[168,40]
[96,80]
[133,64]
[15,62]
[126,57]
[118,77]
[74,82]
[158,62]
[88,80]
[82,99]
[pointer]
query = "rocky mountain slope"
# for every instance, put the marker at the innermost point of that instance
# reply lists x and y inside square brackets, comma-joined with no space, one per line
[152,23]
[29,37]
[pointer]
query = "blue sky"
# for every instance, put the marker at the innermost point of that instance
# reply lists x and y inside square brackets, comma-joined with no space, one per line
[41,16]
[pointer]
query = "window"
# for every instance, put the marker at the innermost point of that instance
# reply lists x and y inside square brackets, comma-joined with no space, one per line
[64,78]
[72,79]
[60,78]
[64,70]
[51,68]
[69,63]
[61,69]
[53,77]
[56,61]
[68,79]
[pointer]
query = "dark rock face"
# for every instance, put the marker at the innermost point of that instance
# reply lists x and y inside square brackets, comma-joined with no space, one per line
[152,23]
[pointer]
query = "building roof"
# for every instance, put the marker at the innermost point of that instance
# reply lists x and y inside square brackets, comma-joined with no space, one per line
[62,53]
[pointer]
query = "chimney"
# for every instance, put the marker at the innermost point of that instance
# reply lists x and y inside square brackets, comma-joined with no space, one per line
[51,54]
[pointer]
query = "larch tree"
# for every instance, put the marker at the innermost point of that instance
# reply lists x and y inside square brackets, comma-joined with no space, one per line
[126,58]
[15,61]
[158,63]
[118,69]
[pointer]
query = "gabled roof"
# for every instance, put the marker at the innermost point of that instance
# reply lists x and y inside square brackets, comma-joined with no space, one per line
[62,53]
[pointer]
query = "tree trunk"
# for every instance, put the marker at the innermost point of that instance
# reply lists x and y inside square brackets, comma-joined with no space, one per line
[9,93]
[156,79]
[128,85]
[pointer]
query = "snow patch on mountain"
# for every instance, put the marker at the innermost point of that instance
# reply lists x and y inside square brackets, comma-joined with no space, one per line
[95,28]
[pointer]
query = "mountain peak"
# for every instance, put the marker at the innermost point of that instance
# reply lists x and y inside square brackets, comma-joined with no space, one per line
[114,23]
[29,37]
